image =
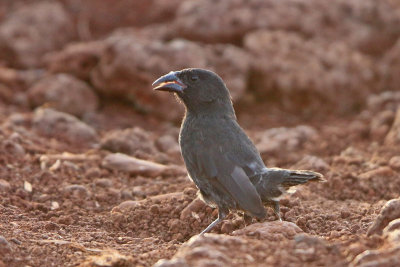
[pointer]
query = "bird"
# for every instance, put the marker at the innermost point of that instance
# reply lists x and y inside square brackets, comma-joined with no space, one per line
[220,158]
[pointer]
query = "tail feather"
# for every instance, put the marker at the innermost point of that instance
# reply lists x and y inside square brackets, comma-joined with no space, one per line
[276,182]
[301,177]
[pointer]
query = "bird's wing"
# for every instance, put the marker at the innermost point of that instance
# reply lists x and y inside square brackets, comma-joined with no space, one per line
[223,172]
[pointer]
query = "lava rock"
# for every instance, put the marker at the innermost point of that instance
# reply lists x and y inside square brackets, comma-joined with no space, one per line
[284,139]
[308,75]
[130,63]
[134,166]
[33,30]
[311,163]
[76,191]
[132,141]
[393,136]
[271,231]
[52,123]
[98,18]
[4,186]
[65,93]
[77,59]
[362,24]
[389,212]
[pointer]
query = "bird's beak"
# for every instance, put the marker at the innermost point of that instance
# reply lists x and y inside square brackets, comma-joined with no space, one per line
[170,83]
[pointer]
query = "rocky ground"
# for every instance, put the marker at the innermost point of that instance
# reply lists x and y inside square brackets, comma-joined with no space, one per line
[91,173]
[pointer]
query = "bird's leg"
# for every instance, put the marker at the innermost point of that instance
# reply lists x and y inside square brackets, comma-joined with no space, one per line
[221,215]
[247,219]
[277,210]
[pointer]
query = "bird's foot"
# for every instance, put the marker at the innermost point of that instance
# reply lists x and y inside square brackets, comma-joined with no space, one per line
[221,216]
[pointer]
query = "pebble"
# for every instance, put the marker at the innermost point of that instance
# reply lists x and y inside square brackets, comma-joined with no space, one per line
[394,162]
[76,191]
[389,212]
[132,165]
[4,185]
[4,246]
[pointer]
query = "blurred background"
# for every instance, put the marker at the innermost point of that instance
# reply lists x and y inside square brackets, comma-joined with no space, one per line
[309,58]
[315,84]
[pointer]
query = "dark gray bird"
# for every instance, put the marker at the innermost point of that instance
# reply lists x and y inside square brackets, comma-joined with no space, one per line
[220,158]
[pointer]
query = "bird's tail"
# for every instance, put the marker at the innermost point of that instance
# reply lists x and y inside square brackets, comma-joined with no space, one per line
[276,182]
[297,177]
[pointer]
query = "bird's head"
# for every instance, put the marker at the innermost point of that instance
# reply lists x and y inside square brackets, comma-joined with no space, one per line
[201,91]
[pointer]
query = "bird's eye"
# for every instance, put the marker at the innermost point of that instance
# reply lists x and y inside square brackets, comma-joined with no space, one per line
[194,78]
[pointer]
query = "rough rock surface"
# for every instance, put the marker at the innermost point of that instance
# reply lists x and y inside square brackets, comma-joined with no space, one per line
[57,124]
[77,59]
[271,231]
[389,212]
[311,163]
[96,18]
[65,93]
[132,141]
[31,31]
[388,66]
[129,64]
[349,21]
[393,136]
[131,165]
[308,75]
[277,140]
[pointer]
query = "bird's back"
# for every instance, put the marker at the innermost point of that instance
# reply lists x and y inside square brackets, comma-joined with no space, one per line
[220,158]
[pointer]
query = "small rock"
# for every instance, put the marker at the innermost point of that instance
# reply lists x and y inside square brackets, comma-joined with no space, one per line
[392,231]
[169,145]
[4,186]
[389,212]
[309,248]
[287,139]
[13,148]
[93,172]
[51,226]
[103,182]
[171,263]
[311,163]
[174,225]
[393,137]
[54,205]
[65,93]
[77,59]
[388,100]
[108,259]
[195,206]
[393,225]
[57,124]
[394,162]
[133,141]
[272,231]
[32,30]
[380,124]
[55,166]
[226,227]
[76,191]
[209,250]
[378,258]
[5,247]
[126,206]
[383,171]
[131,165]
[28,187]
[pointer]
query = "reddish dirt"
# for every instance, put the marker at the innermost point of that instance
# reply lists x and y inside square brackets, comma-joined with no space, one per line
[59,209]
